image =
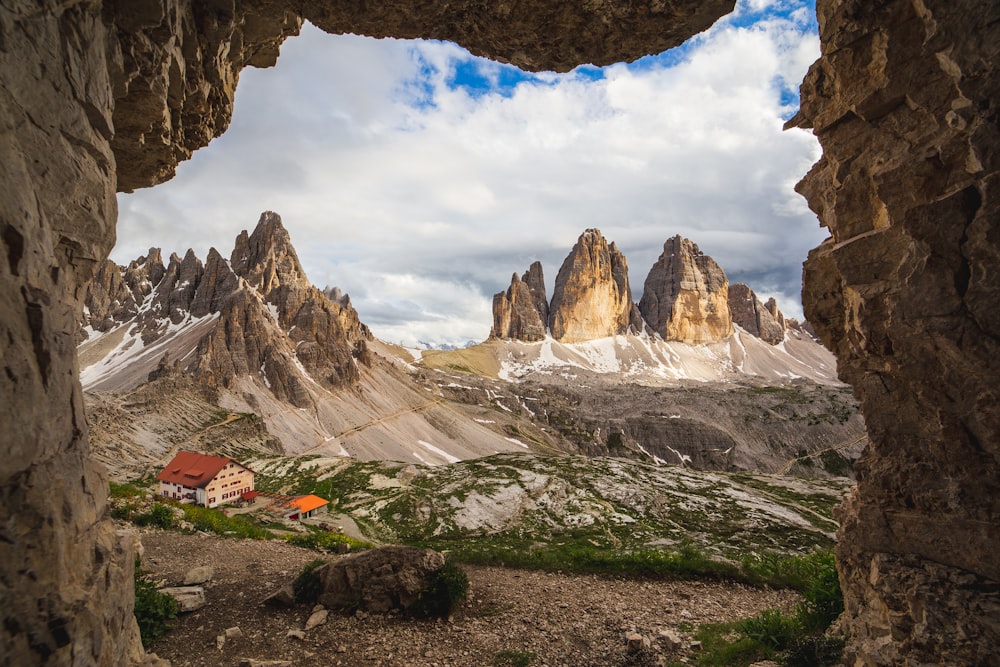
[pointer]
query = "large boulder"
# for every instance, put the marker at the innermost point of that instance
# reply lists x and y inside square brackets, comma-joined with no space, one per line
[378,580]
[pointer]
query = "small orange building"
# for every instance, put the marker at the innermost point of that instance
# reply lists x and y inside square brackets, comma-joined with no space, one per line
[308,506]
[295,508]
[205,480]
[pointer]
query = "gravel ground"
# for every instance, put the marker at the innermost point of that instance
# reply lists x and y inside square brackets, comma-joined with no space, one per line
[543,618]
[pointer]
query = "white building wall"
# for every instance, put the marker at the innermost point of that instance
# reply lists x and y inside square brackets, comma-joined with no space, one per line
[177,492]
[228,485]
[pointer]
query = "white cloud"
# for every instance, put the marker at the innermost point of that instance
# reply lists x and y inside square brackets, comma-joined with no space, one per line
[421,199]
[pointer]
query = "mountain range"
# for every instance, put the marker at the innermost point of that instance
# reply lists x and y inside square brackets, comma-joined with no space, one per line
[686,297]
[689,324]
[247,336]
[254,330]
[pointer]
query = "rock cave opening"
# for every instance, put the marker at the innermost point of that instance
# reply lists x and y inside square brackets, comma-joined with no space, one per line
[97,97]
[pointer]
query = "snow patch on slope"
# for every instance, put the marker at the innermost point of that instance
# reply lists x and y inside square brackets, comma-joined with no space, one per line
[650,359]
[440,452]
[131,351]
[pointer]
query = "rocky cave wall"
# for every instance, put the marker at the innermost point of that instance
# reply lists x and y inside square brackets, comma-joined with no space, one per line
[98,97]
[905,102]
[103,96]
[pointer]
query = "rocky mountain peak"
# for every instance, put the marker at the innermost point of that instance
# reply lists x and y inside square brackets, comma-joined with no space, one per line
[535,280]
[764,321]
[686,295]
[779,317]
[591,298]
[516,312]
[217,283]
[266,258]
[337,295]
[266,319]
[146,269]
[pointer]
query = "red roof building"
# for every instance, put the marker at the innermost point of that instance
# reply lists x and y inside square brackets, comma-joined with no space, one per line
[206,480]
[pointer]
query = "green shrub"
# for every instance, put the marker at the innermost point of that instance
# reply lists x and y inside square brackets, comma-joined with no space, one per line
[116,490]
[796,572]
[688,561]
[798,639]
[447,589]
[721,652]
[771,628]
[214,521]
[836,464]
[159,515]
[327,540]
[824,601]
[616,441]
[815,651]
[514,658]
[307,586]
[123,512]
[152,608]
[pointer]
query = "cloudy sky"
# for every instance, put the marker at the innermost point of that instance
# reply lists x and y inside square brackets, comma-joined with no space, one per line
[419,178]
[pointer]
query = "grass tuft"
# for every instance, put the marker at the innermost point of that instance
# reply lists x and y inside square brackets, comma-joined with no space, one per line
[306,587]
[326,540]
[447,589]
[153,609]
[797,639]
[514,658]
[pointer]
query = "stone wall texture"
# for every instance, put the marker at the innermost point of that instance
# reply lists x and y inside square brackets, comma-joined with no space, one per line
[905,101]
[103,96]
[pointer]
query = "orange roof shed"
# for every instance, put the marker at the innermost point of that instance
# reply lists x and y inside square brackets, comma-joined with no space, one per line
[309,503]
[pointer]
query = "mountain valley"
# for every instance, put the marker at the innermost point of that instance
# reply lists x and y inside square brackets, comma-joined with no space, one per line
[245,356]
[697,433]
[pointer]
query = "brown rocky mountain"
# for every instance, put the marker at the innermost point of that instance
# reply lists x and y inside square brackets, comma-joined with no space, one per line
[591,298]
[535,280]
[687,298]
[762,320]
[522,312]
[255,314]
[772,307]
[255,335]
[117,292]
[686,295]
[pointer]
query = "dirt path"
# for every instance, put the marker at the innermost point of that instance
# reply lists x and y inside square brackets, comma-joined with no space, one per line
[394,415]
[547,618]
[231,417]
[350,527]
[836,448]
[373,422]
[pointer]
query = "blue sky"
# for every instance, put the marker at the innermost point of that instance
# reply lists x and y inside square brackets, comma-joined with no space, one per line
[418,178]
